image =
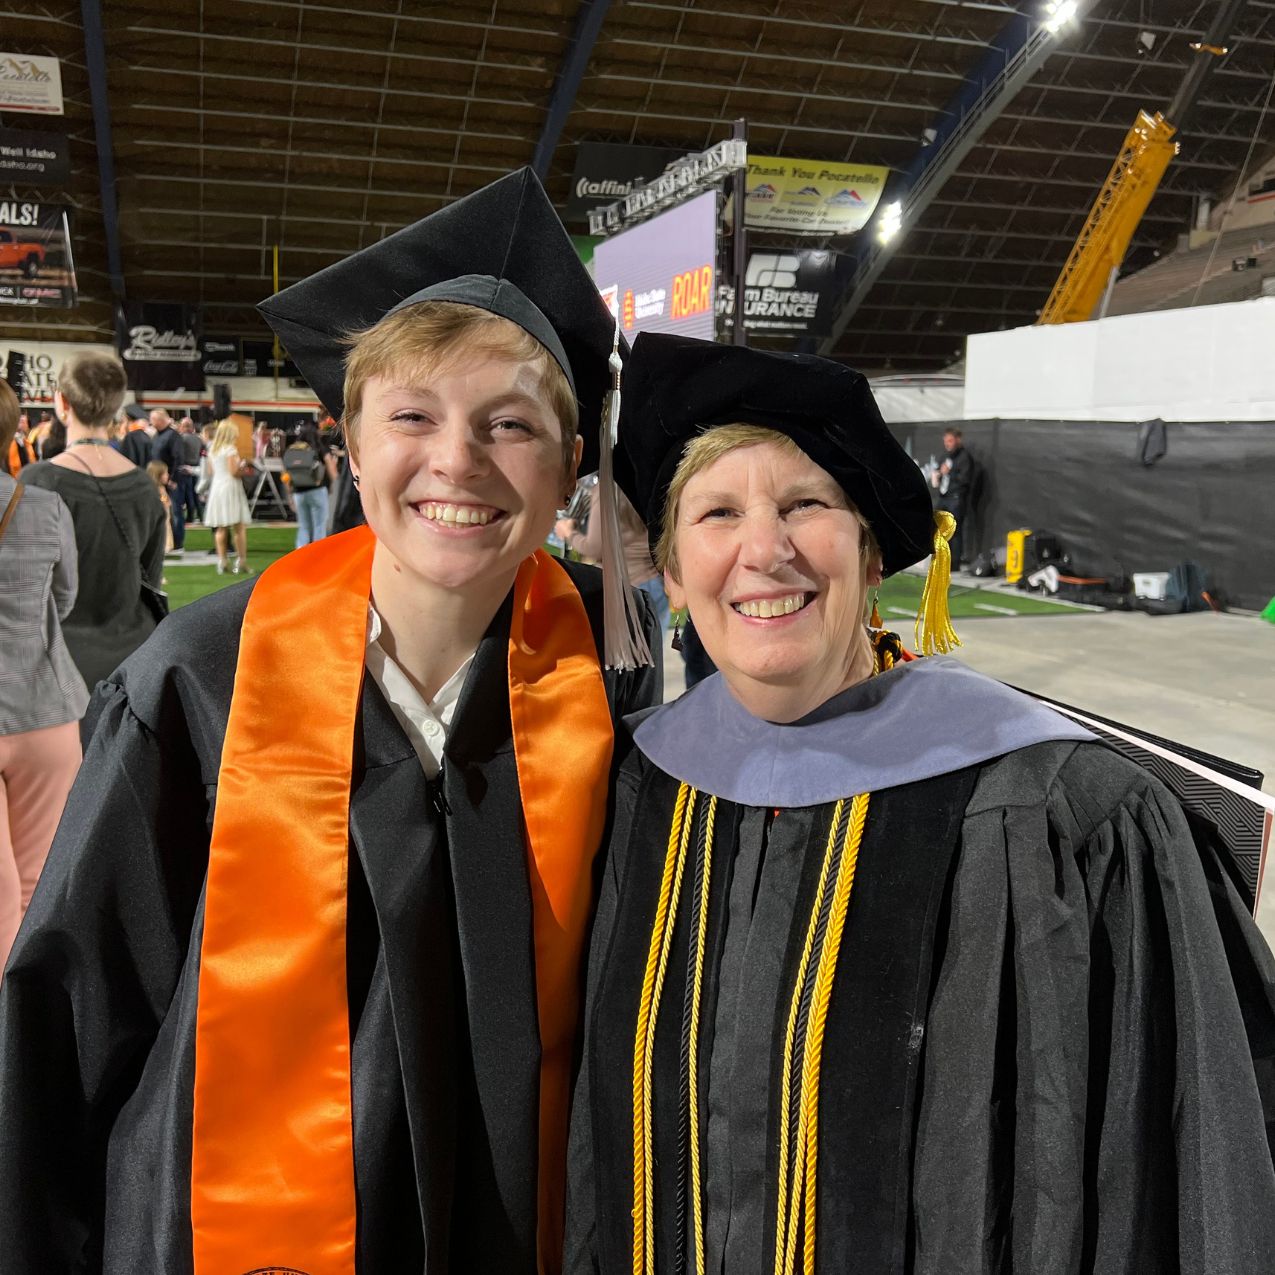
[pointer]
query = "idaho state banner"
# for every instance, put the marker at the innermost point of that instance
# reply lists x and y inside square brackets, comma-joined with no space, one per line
[272,1164]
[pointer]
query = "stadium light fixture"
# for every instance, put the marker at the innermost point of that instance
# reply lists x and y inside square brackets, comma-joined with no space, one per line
[1058,13]
[891,222]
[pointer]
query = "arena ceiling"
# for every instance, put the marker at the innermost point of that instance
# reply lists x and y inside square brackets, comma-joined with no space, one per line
[238,124]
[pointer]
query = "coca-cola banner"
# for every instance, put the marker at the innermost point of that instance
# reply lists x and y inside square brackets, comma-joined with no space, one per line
[160,345]
[221,356]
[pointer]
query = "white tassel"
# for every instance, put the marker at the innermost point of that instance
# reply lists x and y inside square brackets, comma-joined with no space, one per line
[624,641]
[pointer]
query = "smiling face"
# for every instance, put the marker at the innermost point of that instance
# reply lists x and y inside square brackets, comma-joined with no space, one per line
[460,471]
[770,562]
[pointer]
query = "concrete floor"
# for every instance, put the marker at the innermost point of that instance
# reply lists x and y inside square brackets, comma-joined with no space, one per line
[1204,679]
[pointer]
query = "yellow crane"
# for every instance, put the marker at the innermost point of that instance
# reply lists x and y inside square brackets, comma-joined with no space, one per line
[1148,149]
[1108,230]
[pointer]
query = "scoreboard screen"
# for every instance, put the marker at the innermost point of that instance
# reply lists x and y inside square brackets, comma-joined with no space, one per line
[661,276]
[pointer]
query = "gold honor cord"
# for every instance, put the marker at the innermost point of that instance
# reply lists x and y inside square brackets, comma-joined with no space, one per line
[797,1164]
[644,1040]
[804,1168]
[693,1062]
[819,1008]
[785,1249]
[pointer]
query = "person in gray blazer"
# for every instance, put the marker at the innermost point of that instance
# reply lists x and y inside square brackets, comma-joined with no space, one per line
[42,695]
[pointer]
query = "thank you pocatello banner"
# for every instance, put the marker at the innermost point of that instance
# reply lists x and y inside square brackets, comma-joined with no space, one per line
[160,345]
[811,196]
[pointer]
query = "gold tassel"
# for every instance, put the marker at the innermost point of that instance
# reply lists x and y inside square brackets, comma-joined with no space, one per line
[934,633]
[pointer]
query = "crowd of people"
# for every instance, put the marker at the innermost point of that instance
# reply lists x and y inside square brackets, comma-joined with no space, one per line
[107,490]
[396,923]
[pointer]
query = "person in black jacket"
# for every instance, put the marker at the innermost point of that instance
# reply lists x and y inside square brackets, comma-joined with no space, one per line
[954,480]
[166,447]
[135,442]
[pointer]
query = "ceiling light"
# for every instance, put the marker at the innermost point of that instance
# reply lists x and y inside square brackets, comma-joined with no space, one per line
[1058,13]
[890,222]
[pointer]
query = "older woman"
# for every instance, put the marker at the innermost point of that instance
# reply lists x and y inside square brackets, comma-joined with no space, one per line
[298,990]
[894,970]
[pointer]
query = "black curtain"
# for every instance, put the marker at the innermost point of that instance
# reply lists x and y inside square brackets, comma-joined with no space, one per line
[1205,500]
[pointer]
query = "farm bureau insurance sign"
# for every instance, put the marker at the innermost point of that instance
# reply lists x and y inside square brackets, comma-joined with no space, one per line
[30,84]
[785,291]
[811,196]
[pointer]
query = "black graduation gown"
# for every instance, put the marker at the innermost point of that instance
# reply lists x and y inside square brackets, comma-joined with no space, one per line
[1050,1023]
[98,1002]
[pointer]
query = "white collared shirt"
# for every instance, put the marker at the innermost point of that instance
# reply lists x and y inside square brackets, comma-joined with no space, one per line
[426,724]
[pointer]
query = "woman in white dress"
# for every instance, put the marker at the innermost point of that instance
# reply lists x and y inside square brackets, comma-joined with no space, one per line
[227,509]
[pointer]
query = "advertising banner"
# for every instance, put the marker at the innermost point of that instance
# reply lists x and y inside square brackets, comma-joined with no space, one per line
[30,84]
[785,292]
[258,360]
[606,171]
[160,345]
[661,275]
[221,356]
[811,196]
[34,159]
[36,265]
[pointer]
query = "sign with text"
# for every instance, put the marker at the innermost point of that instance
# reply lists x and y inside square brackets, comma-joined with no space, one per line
[36,265]
[34,159]
[160,345]
[791,291]
[660,276]
[221,356]
[811,196]
[606,171]
[258,359]
[30,84]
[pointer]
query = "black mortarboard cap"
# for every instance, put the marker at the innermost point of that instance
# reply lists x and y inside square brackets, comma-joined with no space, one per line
[676,387]
[501,249]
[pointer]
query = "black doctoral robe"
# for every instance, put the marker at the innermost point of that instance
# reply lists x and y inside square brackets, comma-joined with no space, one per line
[98,1002]
[1050,1026]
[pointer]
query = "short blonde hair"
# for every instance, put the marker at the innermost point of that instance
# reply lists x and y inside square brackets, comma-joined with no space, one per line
[435,335]
[709,447]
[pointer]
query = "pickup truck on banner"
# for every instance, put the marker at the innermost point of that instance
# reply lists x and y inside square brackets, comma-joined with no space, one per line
[26,255]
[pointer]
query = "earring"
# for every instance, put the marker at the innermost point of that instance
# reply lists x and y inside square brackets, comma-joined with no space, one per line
[677,632]
[354,478]
[874,620]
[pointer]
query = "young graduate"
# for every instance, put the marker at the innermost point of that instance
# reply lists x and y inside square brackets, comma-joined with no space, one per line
[894,969]
[298,990]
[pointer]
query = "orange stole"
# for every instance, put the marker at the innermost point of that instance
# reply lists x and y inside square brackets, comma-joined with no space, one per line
[272,1168]
[563,740]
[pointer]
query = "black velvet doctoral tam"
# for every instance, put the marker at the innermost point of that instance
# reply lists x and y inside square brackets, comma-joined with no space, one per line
[676,388]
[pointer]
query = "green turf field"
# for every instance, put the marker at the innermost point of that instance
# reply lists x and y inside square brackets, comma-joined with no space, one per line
[186,583]
[900,595]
